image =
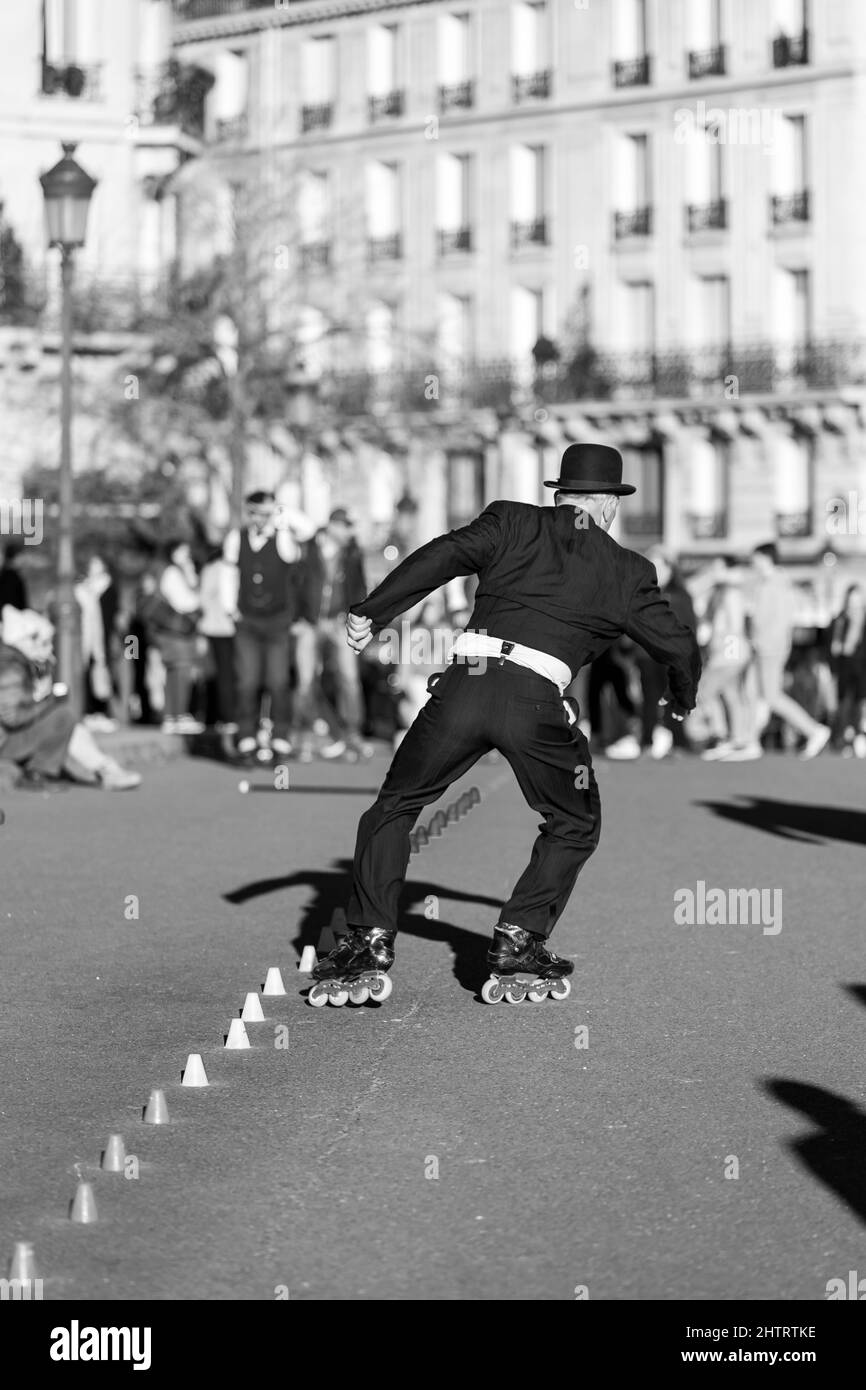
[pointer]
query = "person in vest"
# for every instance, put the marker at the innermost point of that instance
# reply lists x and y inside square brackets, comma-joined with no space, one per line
[555,591]
[261,595]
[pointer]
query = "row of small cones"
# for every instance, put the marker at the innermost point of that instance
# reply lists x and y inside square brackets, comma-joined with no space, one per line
[83,1208]
[455,812]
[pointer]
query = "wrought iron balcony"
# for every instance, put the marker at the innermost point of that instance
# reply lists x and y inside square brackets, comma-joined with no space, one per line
[70,79]
[793,207]
[794,523]
[635,223]
[233,128]
[791,50]
[709,526]
[634,72]
[385,248]
[532,233]
[173,94]
[707,62]
[456,96]
[185,10]
[703,217]
[525,87]
[643,523]
[317,116]
[385,107]
[316,255]
[456,239]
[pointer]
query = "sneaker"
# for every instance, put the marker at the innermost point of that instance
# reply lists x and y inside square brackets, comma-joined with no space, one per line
[188,725]
[115,778]
[743,753]
[816,743]
[860,745]
[719,750]
[663,742]
[281,747]
[169,726]
[624,749]
[334,750]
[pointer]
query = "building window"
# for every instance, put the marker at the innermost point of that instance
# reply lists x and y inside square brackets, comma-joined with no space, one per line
[465,488]
[790,203]
[380,337]
[455,330]
[633,216]
[318,82]
[791,33]
[632,67]
[454,206]
[529,223]
[707,209]
[456,65]
[644,516]
[71,50]
[793,463]
[530,48]
[384,211]
[709,489]
[640,316]
[227,103]
[706,51]
[385,97]
[314,220]
[527,326]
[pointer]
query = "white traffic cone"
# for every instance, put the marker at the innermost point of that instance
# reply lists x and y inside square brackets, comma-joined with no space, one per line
[115,1154]
[274,982]
[307,961]
[194,1072]
[237,1035]
[252,1009]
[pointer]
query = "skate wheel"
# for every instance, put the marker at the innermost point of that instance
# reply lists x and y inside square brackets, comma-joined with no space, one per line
[339,997]
[492,991]
[359,994]
[537,994]
[318,996]
[562,989]
[515,994]
[381,989]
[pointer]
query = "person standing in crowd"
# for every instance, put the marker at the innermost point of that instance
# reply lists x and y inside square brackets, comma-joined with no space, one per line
[13,590]
[260,594]
[332,580]
[772,615]
[173,618]
[848,654]
[218,626]
[729,655]
[97,600]
[660,732]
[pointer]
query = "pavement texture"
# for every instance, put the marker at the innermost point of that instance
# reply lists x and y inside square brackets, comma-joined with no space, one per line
[434,1147]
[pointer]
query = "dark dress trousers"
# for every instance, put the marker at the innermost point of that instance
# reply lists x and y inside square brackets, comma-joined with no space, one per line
[551,579]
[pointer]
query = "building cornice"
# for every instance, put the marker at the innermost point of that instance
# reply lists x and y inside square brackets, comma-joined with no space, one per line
[278,17]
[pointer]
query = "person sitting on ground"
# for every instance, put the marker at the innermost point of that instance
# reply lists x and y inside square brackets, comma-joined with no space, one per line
[38,730]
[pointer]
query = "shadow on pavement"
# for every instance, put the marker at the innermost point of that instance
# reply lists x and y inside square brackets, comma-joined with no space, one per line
[836,1152]
[794,820]
[330,889]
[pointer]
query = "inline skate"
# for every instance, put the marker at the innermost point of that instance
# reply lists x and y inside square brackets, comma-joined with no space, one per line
[523,968]
[356,970]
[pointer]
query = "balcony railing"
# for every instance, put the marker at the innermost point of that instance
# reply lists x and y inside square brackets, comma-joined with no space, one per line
[71,79]
[643,523]
[456,96]
[316,255]
[704,217]
[634,72]
[526,86]
[231,128]
[385,248]
[173,94]
[709,526]
[793,207]
[635,223]
[317,116]
[794,523]
[185,10]
[791,50]
[385,107]
[454,239]
[531,233]
[707,62]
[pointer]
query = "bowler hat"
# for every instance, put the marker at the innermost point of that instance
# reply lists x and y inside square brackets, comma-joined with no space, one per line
[591,468]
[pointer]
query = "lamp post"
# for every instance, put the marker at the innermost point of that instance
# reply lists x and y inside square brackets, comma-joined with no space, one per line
[67,190]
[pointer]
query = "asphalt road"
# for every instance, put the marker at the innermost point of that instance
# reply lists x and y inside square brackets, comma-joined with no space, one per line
[308,1167]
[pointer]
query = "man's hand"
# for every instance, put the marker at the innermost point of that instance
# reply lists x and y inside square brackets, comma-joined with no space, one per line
[359,632]
[677,713]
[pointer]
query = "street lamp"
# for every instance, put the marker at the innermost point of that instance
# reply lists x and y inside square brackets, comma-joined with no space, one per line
[67,190]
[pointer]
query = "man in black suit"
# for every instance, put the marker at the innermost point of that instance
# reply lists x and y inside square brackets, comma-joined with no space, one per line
[554,592]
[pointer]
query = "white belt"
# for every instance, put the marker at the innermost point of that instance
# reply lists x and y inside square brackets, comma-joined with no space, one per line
[550,667]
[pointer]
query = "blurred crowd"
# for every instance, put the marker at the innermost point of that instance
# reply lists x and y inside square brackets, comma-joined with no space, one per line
[242,644]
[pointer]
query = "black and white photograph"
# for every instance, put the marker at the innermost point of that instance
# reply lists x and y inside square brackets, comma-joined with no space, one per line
[433,668]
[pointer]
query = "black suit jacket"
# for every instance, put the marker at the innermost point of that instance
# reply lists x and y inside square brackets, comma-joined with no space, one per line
[551,579]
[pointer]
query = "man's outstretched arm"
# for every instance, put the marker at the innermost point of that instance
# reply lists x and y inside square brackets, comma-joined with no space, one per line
[653,624]
[464,551]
